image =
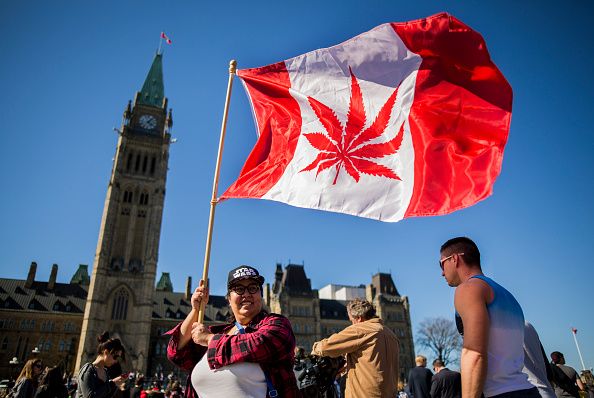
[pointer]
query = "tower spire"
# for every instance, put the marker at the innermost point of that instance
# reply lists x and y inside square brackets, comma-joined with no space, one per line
[153,90]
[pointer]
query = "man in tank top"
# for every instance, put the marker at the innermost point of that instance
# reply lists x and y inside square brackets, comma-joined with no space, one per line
[492,324]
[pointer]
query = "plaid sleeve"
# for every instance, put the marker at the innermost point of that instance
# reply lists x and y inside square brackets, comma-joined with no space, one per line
[186,357]
[271,341]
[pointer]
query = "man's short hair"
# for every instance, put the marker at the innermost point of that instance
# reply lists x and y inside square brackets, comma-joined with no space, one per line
[360,308]
[438,363]
[465,245]
[557,357]
[421,360]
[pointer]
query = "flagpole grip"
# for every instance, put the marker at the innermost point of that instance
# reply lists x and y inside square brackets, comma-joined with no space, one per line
[215,185]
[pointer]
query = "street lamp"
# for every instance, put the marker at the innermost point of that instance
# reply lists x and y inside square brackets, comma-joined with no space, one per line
[35,351]
[13,363]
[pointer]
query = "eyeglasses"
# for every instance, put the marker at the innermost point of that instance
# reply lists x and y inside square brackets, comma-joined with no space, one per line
[443,260]
[239,289]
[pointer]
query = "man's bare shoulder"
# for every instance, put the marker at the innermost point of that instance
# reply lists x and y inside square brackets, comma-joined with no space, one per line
[472,291]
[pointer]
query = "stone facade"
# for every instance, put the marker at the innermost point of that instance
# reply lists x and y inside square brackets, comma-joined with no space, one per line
[35,317]
[314,318]
[120,297]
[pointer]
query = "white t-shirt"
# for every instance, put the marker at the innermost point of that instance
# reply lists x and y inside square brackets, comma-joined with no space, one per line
[243,379]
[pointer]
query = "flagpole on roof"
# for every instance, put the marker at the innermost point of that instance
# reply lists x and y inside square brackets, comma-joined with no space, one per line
[574,332]
[215,184]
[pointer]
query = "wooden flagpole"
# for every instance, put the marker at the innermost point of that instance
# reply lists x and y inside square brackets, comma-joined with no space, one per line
[215,184]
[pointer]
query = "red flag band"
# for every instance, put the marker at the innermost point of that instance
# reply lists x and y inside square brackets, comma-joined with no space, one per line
[408,119]
[167,39]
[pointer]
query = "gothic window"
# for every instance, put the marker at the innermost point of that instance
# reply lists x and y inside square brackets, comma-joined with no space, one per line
[143,201]
[48,345]
[128,196]
[4,345]
[144,164]
[153,164]
[119,310]
[158,349]
[129,162]
[61,346]
[137,165]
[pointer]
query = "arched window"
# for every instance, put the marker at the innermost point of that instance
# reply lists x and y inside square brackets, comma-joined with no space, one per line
[144,164]
[128,196]
[119,310]
[4,345]
[153,164]
[143,199]
[129,162]
[137,165]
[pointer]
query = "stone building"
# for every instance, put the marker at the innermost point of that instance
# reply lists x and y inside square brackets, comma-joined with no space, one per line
[48,316]
[315,314]
[60,321]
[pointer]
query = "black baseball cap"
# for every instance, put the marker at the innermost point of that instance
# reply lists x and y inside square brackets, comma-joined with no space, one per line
[243,272]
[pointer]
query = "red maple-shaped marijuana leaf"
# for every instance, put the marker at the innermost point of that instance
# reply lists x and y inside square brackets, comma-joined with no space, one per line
[347,146]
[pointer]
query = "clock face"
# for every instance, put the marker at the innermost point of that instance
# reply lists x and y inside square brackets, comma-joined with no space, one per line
[148,122]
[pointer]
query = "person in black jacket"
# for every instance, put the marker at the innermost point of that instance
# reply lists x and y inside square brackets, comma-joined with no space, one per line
[419,379]
[93,378]
[52,385]
[445,383]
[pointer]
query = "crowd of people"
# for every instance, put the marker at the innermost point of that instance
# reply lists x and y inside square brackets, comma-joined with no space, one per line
[254,353]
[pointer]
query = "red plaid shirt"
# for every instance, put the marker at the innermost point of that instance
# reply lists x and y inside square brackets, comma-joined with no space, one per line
[268,341]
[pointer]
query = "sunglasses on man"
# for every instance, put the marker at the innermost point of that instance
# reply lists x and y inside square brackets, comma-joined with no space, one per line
[443,260]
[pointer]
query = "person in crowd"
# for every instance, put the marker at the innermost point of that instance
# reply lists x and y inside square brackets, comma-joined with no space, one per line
[445,383]
[155,391]
[28,380]
[566,380]
[93,379]
[588,381]
[371,351]
[419,378]
[52,384]
[174,390]
[252,356]
[137,389]
[492,325]
[536,366]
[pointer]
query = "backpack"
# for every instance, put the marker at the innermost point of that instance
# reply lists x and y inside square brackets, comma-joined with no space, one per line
[561,380]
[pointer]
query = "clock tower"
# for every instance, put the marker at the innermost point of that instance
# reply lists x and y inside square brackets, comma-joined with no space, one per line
[120,297]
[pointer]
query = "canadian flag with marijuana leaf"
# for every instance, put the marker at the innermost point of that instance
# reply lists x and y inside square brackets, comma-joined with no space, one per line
[408,119]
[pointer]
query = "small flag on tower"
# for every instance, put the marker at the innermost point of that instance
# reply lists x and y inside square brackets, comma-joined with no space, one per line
[574,330]
[167,39]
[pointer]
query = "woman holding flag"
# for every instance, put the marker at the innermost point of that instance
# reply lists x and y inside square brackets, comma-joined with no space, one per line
[251,356]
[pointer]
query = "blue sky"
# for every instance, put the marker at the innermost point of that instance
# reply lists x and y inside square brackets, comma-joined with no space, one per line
[69,68]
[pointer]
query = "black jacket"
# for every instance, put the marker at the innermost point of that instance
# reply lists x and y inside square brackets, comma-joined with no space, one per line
[446,384]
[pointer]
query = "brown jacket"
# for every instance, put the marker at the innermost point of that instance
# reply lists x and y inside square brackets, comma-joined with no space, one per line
[372,358]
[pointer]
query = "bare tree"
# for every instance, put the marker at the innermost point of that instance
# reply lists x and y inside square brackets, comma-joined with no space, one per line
[441,337]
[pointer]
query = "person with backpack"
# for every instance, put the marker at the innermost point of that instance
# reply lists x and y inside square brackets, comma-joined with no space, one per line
[566,380]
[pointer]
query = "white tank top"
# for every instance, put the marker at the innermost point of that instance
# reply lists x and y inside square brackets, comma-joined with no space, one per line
[505,348]
[243,379]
